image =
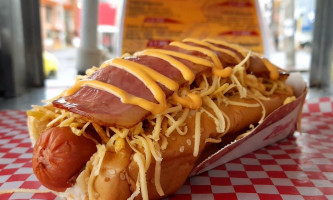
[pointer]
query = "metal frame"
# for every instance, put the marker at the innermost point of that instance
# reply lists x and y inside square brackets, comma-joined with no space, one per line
[21,64]
[322,48]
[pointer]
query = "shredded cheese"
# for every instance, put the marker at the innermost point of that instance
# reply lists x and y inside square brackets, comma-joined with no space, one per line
[169,116]
[154,150]
[213,140]
[157,128]
[138,158]
[137,189]
[144,143]
[26,190]
[235,103]
[158,158]
[176,124]
[97,163]
[212,88]
[164,142]
[119,144]
[263,109]
[221,122]
[122,133]
[197,133]
[158,178]
[289,100]
[55,120]
[101,132]
[221,88]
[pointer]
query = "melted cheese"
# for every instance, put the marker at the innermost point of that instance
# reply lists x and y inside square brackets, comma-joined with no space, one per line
[210,54]
[289,100]
[224,73]
[192,101]
[232,46]
[150,77]
[123,95]
[273,70]
[146,75]
[184,70]
[218,71]
[215,48]
[193,59]
[166,119]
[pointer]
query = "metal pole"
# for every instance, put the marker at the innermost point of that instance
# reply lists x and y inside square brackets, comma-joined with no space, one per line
[289,41]
[88,53]
[322,48]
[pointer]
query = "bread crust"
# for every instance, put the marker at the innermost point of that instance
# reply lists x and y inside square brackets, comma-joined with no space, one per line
[35,128]
[178,160]
[217,105]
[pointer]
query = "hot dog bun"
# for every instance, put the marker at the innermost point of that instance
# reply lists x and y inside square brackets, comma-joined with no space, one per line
[178,159]
[35,128]
[150,138]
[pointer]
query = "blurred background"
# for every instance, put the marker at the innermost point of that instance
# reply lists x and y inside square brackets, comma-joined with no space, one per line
[40,43]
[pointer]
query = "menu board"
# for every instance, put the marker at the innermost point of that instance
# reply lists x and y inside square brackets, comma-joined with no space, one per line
[154,23]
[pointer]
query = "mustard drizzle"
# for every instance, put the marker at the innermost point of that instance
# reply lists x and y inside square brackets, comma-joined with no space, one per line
[150,77]
[184,70]
[209,53]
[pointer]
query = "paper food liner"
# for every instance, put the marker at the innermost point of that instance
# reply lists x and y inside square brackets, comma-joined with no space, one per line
[276,126]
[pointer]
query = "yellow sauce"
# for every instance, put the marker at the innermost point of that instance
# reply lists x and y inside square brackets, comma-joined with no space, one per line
[145,74]
[192,101]
[211,54]
[273,70]
[184,70]
[123,95]
[233,46]
[151,77]
[215,48]
[224,73]
[194,59]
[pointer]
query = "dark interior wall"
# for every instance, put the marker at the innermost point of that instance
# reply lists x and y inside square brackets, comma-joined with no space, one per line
[21,64]
[33,41]
[6,70]
[322,49]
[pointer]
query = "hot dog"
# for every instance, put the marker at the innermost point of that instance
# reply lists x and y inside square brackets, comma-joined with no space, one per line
[144,120]
[57,149]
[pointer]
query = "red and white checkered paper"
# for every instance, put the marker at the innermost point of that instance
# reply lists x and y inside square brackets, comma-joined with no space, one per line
[298,167]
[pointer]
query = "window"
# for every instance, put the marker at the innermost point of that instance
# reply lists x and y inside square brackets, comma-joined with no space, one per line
[49,34]
[48,14]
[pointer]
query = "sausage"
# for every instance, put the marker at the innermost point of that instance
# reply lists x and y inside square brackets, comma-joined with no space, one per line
[176,164]
[116,174]
[59,156]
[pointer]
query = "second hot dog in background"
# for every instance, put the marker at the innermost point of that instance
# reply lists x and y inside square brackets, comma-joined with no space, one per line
[144,120]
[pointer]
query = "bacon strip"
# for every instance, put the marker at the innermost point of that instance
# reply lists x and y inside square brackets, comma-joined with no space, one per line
[106,109]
